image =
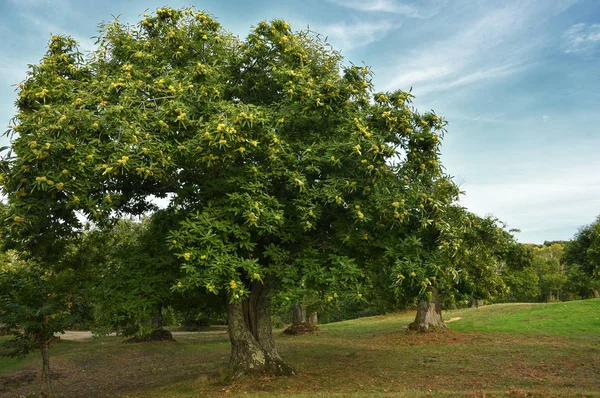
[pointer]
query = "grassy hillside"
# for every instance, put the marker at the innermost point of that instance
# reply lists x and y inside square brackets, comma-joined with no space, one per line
[514,350]
[572,319]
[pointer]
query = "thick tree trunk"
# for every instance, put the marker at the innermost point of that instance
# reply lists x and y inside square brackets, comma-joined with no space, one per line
[46,374]
[158,332]
[476,303]
[252,344]
[298,314]
[314,318]
[157,318]
[429,314]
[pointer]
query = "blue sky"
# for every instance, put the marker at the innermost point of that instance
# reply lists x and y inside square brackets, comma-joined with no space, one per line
[518,81]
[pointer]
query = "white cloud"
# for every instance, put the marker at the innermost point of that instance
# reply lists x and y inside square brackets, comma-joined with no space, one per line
[56,10]
[456,81]
[37,3]
[582,39]
[13,68]
[417,75]
[559,6]
[347,36]
[469,55]
[60,25]
[387,6]
[496,117]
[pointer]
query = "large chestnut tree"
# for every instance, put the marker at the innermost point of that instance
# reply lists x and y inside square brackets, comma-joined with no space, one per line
[284,164]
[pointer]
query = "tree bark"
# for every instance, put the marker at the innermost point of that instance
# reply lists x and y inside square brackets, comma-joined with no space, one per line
[251,334]
[298,314]
[314,318]
[429,314]
[158,332]
[157,319]
[46,373]
[476,303]
[596,294]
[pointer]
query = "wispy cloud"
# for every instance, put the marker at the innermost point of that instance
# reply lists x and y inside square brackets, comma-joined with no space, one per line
[346,36]
[454,80]
[13,68]
[37,3]
[421,10]
[582,39]
[63,16]
[486,45]
[493,118]
[410,74]
[56,10]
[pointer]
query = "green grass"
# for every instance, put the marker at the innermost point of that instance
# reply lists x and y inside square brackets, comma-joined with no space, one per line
[514,350]
[570,319]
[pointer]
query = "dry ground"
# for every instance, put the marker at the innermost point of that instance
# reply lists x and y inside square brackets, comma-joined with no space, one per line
[368,357]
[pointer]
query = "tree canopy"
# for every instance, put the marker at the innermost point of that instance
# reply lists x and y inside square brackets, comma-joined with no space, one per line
[261,141]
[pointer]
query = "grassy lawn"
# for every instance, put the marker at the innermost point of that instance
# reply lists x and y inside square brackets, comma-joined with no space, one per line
[515,350]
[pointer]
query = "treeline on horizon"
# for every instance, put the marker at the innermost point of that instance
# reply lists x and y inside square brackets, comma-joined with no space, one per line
[557,270]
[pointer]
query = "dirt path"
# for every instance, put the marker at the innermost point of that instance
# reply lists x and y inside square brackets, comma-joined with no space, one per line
[87,335]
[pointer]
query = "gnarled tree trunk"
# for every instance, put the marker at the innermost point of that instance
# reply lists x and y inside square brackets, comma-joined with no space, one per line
[252,344]
[429,314]
[298,314]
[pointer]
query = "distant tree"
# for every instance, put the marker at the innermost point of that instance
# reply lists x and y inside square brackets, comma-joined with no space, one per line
[37,293]
[551,273]
[582,258]
[523,284]
[553,242]
[465,264]
[487,247]
[579,285]
[35,304]
[131,275]
[519,275]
